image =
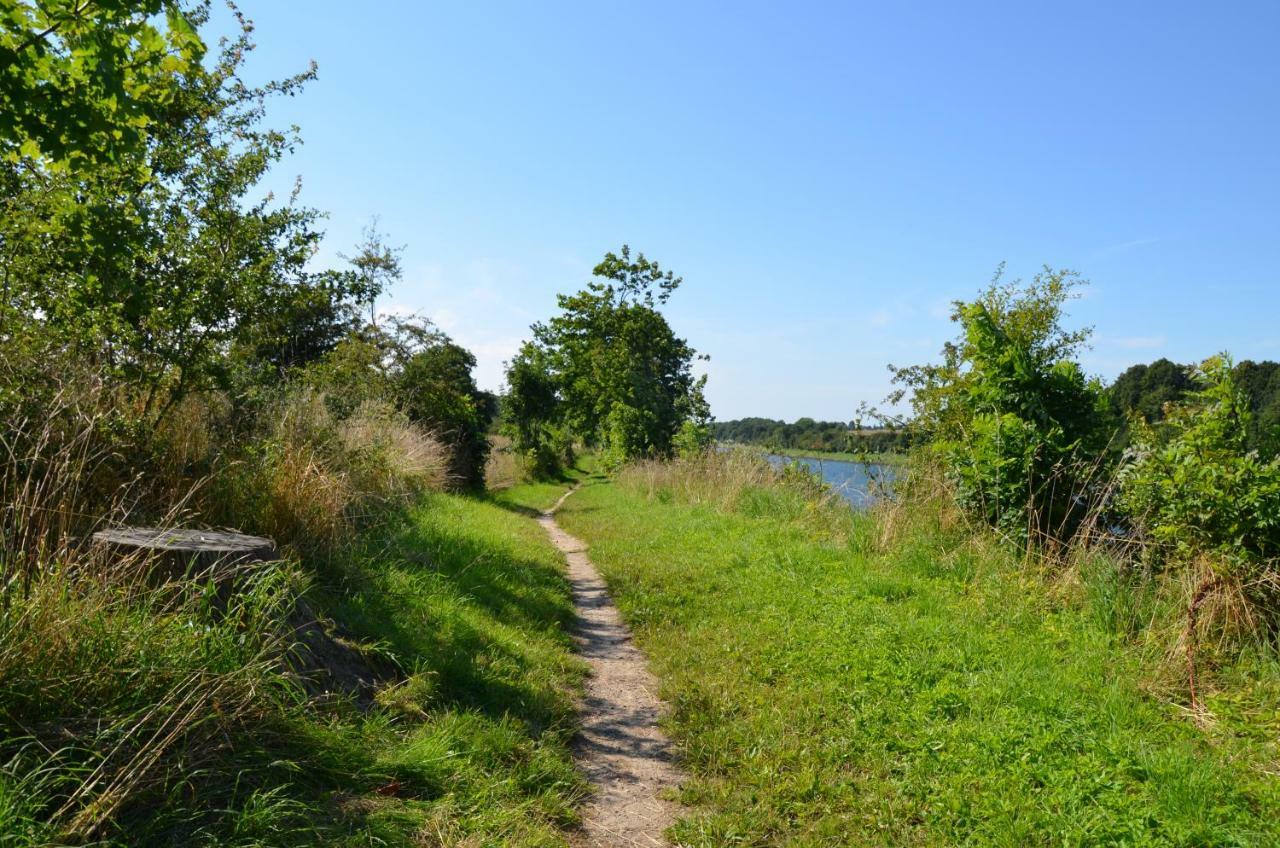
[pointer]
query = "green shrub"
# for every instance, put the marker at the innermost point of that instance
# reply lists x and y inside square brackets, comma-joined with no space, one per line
[1194,484]
[1017,425]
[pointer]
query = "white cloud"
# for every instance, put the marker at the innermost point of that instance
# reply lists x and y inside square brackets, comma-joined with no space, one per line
[1121,247]
[446,319]
[490,356]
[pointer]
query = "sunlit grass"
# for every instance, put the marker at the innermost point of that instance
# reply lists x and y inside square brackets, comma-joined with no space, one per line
[827,690]
[466,741]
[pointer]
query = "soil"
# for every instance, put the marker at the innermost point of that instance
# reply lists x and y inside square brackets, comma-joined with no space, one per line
[619,749]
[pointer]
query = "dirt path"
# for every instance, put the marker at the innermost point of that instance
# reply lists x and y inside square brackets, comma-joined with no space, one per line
[620,749]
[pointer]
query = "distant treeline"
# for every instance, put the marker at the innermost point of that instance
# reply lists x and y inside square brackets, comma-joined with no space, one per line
[807,434]
[1144,389]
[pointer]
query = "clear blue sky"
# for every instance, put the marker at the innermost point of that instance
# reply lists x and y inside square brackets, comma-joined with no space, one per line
[827,177]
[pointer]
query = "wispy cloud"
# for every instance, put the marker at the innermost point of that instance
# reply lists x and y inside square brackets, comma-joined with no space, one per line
[1121,247]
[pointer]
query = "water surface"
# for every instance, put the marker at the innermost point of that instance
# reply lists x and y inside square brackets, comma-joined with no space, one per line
[856,482]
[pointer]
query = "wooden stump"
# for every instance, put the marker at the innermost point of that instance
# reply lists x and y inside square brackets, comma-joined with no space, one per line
[176,552]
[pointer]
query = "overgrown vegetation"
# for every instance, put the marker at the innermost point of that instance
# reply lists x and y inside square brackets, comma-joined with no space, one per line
[1032,448]
[1146,390]
[419,686]
[168,354]
[1005,652]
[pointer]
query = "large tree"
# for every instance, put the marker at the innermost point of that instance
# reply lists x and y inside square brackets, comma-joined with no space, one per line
[155,266]
[619,375]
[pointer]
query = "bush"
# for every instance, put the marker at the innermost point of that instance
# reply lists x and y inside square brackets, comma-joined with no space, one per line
[1015,422]
[1194,484]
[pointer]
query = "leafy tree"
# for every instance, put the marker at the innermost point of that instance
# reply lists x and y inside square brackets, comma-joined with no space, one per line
[424,374]
[1015,421]
[157,273]
[835,436]
[375,266]
[534,413]
[624,379]
[433,384]
[82,82]
[1260,381]
[1146,390]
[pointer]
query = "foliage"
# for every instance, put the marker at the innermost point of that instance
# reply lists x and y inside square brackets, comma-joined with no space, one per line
[1012,415]
[608,369]
[144,716]
[168,354]
[1194,482]
[693,438]
[433,385]
[159,271]
[534,414]
[410,363]
[83,83]
[1146,390]
[807,434]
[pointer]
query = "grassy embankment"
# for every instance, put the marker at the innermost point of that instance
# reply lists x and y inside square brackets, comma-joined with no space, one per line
[843,679]
[161,721]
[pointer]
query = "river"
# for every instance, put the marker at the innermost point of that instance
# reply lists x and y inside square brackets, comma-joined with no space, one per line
[854,481]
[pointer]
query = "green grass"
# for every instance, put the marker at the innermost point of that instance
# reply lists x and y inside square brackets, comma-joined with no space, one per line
[829,693]
[470,598]
[539,496]
[467,744]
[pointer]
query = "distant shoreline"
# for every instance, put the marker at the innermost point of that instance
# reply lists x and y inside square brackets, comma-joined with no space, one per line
[882,458]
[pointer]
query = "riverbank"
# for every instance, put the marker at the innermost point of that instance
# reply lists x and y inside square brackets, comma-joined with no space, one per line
[843,456]
[843,680]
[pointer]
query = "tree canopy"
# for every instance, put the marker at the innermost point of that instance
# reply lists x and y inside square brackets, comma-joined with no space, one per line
[609,370]
[83,82]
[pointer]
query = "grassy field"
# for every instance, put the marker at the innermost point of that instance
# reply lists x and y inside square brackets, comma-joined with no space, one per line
[831,690]
[461,609]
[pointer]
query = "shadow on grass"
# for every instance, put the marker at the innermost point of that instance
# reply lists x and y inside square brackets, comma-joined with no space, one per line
[474,610]
[460,599]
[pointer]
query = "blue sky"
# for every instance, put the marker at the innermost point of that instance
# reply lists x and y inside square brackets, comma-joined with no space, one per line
[827,177]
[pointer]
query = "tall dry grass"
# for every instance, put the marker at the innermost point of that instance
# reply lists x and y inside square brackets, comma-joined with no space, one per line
[115,687]
[502,468]
[741,479]
[309,480]
[127,692]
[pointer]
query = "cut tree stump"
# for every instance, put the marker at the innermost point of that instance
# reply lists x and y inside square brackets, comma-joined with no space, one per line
[178,552]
